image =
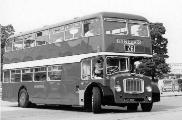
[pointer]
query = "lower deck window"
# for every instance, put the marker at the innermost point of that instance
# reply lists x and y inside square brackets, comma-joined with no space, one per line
[6,76]
[27,74]
[55,72]
[15,75]
[40,74]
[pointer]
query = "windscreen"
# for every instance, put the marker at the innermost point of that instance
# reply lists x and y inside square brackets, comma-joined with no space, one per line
[117,64]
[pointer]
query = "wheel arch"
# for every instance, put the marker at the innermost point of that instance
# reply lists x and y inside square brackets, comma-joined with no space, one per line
[107,95]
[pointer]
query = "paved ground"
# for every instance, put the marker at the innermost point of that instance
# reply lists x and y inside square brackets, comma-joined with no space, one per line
[170,108]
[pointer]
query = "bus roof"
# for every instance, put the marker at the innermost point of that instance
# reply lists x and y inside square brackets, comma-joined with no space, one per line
[100,14]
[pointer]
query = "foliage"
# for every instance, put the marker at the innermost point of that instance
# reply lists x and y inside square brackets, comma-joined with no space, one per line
[5,32]
[156,67]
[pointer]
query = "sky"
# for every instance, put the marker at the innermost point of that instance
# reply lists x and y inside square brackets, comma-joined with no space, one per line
[27,15]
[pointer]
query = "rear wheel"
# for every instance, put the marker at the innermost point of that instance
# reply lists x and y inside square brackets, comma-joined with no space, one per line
[23,99]
[132,107]
[96,100]
[146,107]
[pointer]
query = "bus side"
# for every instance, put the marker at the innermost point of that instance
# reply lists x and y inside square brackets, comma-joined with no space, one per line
[48,91]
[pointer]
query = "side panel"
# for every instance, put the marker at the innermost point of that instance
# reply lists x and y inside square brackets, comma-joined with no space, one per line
[65,91]
[10,91]
[37,91]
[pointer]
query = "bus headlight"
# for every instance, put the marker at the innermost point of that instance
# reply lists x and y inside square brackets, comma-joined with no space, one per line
[118,88]
[149,89]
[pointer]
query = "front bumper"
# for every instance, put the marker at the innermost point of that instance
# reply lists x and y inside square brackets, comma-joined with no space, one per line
[133,98]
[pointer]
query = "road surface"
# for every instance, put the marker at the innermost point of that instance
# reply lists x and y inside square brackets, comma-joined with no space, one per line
[170,108]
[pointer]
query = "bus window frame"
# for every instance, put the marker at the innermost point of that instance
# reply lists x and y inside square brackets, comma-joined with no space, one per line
[20,75]
[127,64]
[9,76]
[40,72]
[124,20]
[10,40]
[42,31]
[13,43]
[92,66]
[28,36]
[48,79]
[138,22]
[52,32]
[73,27]
[101,27]
[86,59]
[25,73]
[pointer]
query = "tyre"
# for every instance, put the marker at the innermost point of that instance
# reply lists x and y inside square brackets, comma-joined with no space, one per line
[146,107]
[96,100]
[23,99]
[132,107]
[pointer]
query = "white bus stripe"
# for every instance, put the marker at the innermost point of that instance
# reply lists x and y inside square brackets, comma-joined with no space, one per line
[64,60]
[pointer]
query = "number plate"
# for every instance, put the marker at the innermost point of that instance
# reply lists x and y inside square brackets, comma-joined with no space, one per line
[129,48]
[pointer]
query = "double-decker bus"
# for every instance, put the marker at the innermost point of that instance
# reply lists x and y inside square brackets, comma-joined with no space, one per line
[87,61]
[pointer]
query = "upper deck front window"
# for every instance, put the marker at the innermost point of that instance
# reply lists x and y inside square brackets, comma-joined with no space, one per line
[138,28]
[91,27]
[115,26]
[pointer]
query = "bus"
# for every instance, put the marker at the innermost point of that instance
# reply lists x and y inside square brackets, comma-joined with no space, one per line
[88,61]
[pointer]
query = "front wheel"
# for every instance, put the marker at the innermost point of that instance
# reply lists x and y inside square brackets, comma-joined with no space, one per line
[23,99]
[96,100]
[146,107]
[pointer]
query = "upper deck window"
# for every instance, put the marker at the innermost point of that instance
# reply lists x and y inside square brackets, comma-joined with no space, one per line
[92,27]
[57,34]
[9,45]
[138,28]
[29,41]
[115,26]
[18,43]
[42,37]
[73,31]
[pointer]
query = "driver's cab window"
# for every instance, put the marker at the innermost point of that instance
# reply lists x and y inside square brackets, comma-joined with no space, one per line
[97,68]
[116,64]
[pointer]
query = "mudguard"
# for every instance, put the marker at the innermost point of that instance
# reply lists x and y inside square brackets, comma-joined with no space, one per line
[155,93]
[108,96]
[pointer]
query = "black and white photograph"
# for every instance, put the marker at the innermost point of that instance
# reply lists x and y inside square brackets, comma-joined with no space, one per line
[91,60]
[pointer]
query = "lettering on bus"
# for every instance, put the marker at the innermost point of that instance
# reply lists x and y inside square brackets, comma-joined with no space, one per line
[132,42]
[38,86]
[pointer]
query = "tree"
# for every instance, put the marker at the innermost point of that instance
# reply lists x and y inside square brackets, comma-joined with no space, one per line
[156,67]
[5,32]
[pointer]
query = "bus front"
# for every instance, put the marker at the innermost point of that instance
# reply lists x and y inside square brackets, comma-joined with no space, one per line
[128,41]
